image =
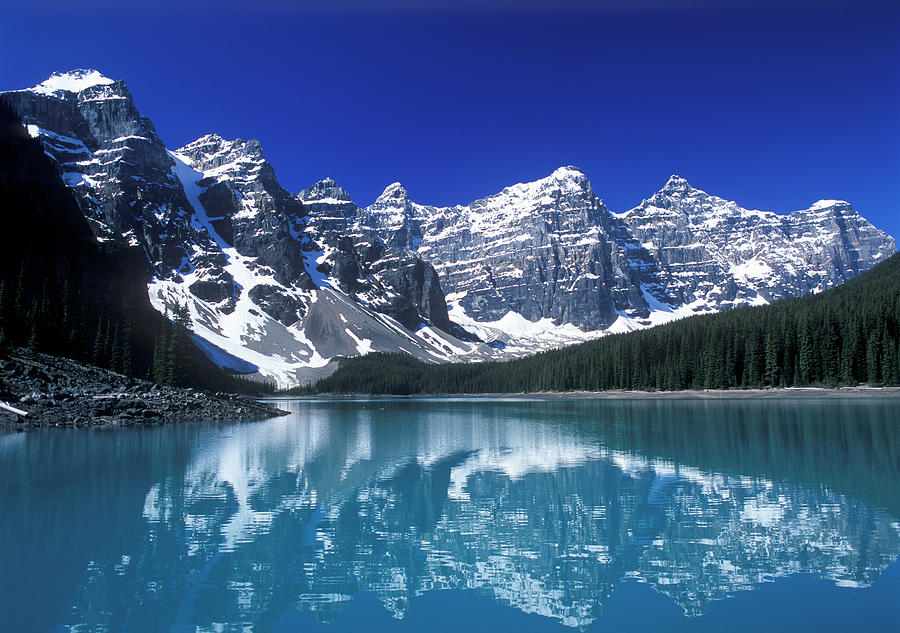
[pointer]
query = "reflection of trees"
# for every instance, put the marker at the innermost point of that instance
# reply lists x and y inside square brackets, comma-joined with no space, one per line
[518,501]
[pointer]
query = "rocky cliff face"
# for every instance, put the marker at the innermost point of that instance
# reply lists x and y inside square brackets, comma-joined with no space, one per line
[713,253]
[113,159]
[283,283]
[543,250]
[383,274]
[246,207]
[551,250]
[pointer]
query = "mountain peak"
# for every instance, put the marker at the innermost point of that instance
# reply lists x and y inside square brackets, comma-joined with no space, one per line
[73,81]
[328,181]
[827,204]
[567,172]
[206,144]
[325,189]
[208,138]
[676,183]
[392,194]
[215,143]
[567,178]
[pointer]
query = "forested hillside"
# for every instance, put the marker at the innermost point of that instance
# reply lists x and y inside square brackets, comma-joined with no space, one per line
[844,336]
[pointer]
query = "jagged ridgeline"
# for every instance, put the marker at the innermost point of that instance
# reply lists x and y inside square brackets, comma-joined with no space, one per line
[281,284]
[65,292]
[844,336]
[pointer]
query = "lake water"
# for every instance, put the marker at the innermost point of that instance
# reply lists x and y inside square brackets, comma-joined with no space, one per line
[462,514]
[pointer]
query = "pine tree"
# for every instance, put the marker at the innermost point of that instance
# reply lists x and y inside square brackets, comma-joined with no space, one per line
[804,351]
[170,364]
[19,302]
[107,343]
[754,361]
[127,353]
[181,316]
[849,353]
[771,361]
[97,355]
[127,336]
[45,316]
[788,355]
[78,334]
[33,338]
[155,373]
[873,364]
[888,359]
[163,368]
[897,311]
[65,318]
[829,352]
[115,356]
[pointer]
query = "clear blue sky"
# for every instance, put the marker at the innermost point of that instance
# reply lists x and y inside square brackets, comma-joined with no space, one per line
[772,108]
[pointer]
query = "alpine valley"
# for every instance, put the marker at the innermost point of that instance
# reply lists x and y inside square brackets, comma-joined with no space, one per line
[281,284]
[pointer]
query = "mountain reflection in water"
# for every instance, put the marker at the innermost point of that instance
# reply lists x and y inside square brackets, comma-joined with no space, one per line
[544,506]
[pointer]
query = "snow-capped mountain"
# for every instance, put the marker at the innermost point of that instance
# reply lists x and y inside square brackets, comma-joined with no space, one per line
[283,283]
[711,252]
[542,250]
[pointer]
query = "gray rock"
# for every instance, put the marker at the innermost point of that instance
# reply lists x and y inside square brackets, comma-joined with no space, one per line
[277,304]
[217,287]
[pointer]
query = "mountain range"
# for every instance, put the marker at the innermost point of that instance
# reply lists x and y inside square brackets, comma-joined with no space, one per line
[282,284]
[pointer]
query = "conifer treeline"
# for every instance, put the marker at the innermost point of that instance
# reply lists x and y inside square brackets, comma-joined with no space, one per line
[845,336]
[57,315]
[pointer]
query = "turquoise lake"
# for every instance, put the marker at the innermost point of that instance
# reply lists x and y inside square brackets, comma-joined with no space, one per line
[462,515]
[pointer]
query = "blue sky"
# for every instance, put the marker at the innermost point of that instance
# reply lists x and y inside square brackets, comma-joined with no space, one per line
[772,107]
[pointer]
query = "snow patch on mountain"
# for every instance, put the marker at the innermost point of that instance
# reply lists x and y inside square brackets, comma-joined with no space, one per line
[660,314]
[512,335]
[72,81]
[824,204]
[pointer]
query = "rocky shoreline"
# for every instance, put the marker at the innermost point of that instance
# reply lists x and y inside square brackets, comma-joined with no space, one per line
[59,392]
